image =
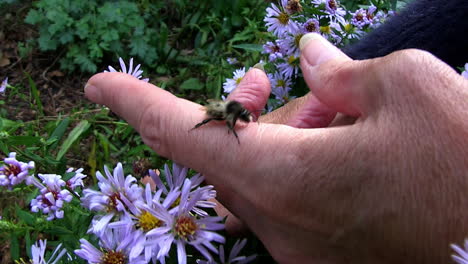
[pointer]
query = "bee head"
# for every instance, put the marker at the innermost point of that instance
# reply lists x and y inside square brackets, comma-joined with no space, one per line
[237,109]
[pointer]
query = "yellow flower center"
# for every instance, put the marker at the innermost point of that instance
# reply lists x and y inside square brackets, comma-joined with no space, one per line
[292,59]
[349,28]
[283,18]
[147,221]
[113,257]
[281,83]
[185,227]
[297,38]
[238,80]
[325,29]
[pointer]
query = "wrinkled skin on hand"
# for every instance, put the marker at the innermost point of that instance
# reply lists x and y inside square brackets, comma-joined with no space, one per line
[384,181]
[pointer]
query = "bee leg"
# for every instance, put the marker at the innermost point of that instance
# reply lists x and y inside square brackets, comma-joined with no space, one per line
[205,122]
[202,123]
[231,128]
[231,124]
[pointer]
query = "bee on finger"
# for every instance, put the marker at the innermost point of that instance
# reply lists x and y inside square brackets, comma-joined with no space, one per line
[229,111]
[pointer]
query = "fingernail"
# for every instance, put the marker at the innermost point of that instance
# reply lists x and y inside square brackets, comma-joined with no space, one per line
[259,66]
[307,38]
[92,93]
[319,49]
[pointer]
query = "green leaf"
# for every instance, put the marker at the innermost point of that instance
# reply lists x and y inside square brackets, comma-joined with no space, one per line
[92,158]
[28,242]
[47,42]
[192,84]
[59,230]
[139,47]
[23,140]
[85,63]
[3,148]
[33,17]
[58,132]
[26,217]
[105,144]
[249,47]
[35,94]
[6,124]
[14,246]
[72,137]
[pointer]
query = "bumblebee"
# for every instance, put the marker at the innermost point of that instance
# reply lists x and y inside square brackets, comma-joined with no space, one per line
[229,111]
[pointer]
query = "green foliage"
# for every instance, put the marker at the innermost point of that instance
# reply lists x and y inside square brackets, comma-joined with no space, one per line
[167,37]
[87,29]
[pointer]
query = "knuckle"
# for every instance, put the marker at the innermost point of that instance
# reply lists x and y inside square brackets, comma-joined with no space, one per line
[410,62]
[336,72]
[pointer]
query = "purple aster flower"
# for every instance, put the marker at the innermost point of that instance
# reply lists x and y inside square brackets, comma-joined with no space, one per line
[292,6]
[273,49]
[329,33]
[38,251]
[52,196]
[380,18]
[350,31]
[311,25]
[77,179]
[332,8]
[233,256]
[176,181]
[280,86]
[462,257]
[289,44]
[232,61]
[279,21]
[207,194]
[183,228]
[370,12]
[14,172]
[143,221]
[115,246]
[4,85]
[360,19]
[289,68]
[334,32]
[133,72]
[176,178]
[109,199]
[232,84]
[465,72]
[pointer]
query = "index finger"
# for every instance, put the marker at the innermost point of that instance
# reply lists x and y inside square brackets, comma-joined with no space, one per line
[164,122]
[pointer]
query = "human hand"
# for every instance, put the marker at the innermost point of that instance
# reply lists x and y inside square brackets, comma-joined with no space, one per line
[388,188]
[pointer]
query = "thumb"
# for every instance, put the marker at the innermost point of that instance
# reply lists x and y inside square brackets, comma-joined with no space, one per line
[253,91]
[333,77]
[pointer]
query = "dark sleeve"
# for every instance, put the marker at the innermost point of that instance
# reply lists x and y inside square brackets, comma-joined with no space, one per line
[437,26]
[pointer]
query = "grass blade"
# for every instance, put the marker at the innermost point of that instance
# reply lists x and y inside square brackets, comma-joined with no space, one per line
[35,95]
[72,137]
